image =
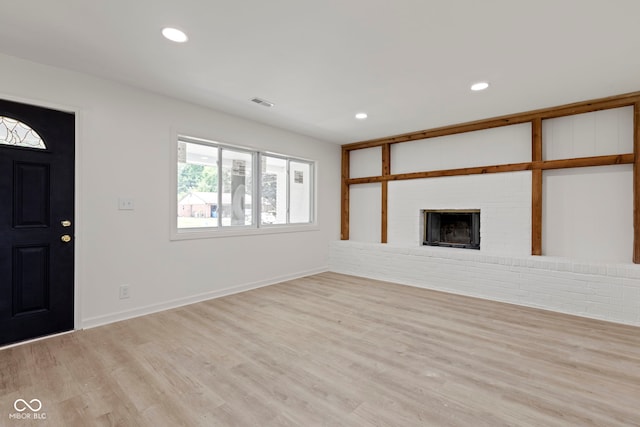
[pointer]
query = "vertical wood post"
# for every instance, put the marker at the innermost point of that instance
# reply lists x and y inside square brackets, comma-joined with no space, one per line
[386,171]
[384,217]
[636,183]
[536,187]
[344,197]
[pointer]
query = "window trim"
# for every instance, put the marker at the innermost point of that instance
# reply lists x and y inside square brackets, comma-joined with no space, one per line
[257,228]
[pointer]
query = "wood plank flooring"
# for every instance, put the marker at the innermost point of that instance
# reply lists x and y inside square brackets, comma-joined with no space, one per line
[333,350]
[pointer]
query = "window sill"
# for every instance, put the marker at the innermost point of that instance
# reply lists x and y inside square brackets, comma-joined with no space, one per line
[209,233]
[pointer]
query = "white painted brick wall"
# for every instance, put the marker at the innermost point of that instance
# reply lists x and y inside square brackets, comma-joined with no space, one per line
[602,291]
[504,201]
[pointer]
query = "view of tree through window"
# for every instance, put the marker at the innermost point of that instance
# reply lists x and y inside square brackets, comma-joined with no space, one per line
[217,186]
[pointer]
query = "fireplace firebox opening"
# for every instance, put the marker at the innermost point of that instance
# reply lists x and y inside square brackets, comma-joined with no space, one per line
[452,228]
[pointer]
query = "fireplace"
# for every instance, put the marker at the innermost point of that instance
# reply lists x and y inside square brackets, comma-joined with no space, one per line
[452,228]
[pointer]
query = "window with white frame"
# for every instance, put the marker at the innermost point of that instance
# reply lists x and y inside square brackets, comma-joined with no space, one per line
[220,186]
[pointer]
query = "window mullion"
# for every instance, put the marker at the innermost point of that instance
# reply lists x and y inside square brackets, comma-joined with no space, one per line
[256,192]
[287,192]
[219,172]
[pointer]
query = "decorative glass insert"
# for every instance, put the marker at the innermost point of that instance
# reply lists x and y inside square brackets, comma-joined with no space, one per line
[14,132]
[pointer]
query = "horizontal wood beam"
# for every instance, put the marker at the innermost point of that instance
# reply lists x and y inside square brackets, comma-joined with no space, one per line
[367,180]
[581,162]
[615,159]
[514,167]
[512,119]
[446,172]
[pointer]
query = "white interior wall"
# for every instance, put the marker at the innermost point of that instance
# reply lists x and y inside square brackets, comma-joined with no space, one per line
[124,144]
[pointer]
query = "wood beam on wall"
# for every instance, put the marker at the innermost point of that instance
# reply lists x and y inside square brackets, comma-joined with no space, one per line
[583,162]
[536,188]
[636,183]
[385,214]
[344,196]
[446,172]
[386,171]
[580,162]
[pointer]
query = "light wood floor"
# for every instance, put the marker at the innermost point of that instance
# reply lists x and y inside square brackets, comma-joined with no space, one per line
[333,350]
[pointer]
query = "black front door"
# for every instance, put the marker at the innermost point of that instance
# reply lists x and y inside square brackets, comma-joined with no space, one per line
[36,221]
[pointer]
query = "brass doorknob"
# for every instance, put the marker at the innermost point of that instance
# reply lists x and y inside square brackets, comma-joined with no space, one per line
[65,238]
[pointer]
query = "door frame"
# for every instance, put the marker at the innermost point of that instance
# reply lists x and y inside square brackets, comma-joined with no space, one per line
[78,257]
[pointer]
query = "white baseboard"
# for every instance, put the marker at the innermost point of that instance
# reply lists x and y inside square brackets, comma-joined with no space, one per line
[93,322]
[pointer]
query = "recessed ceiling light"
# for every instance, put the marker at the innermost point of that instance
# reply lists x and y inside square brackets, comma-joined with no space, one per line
[361,116]
[479,86]
[174,35]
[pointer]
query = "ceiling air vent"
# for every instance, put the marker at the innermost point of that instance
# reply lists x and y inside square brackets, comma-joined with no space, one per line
[263,102]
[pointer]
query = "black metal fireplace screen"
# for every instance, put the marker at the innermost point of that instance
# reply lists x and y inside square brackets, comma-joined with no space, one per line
[452,228]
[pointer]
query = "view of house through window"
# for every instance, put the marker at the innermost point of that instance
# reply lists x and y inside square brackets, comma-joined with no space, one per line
[218,184]
[197,185]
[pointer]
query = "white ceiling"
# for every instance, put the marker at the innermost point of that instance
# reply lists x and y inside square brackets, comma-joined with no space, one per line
[407,63]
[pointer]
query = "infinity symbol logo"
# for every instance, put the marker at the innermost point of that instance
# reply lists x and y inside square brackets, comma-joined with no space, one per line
[25,405]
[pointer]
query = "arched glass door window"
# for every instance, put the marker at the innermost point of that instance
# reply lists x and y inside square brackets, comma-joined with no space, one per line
[18,134]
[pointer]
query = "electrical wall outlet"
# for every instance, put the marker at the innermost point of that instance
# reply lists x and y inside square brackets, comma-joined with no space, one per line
[124,291]
[125,204]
